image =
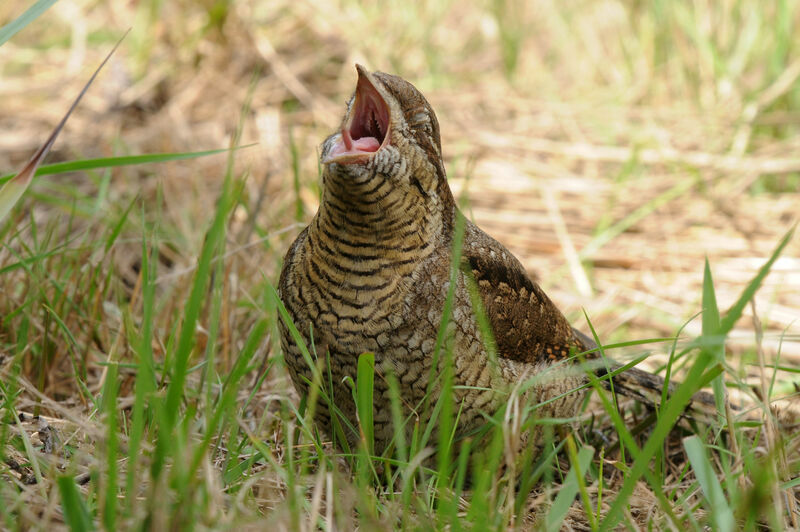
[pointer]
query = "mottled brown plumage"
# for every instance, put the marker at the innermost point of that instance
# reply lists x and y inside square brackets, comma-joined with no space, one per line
[371,274]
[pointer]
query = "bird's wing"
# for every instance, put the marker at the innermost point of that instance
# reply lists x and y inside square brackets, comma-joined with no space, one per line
[527,326]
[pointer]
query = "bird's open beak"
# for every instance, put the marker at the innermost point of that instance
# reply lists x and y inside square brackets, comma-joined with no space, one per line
[366,129]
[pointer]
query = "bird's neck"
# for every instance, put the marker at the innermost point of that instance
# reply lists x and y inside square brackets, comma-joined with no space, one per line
[378,221]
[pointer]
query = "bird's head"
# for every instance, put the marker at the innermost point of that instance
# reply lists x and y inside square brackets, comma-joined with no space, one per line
[389,137]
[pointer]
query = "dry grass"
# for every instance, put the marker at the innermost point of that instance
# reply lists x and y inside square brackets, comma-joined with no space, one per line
[611,147]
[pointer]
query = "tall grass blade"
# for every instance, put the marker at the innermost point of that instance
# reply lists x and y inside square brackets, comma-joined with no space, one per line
[398,423]
[718,507]
[735,312]
[698,376]
[574,460]
[230,388]
[364,404]
[75,512]
[712,340]
[315,385]
[111,447]
[625,436]
[123,160]
[442,345]
[146,382]
[563,501]
[298,201]
[31,14]
[13,189]
[186,339]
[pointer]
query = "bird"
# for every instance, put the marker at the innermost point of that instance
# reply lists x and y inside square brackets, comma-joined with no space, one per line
[372,273]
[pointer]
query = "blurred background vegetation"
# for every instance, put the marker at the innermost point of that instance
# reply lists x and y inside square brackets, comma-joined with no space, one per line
[612,145]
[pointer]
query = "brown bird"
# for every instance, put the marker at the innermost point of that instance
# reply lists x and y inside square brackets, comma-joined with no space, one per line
[371,273]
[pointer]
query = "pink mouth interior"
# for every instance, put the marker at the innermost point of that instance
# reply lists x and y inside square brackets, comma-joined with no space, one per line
[368,126]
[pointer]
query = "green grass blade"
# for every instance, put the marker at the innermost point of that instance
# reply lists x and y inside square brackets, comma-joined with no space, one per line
[31,14]
[735,312]
[712,339]
[295,155]
[628,441]
[558,511]
[111,447]
[169,439]
[186,339]
[287,321]
[398,423]
[27,445]
[580,470]
[791,484]
[711,320]
[718,507]
[75,512]
[230,388]
[696,378]
[447,422]
[146,382]
[117,229]
[13,190]
[127,160]
[364,405]
[440,347]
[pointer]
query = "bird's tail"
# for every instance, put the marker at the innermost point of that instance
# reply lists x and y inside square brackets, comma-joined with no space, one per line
[646,387]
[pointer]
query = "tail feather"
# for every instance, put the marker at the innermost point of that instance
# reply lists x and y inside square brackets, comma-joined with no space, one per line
[646,387]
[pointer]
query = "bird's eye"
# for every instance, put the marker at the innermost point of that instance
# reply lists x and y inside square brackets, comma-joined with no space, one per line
[418,118]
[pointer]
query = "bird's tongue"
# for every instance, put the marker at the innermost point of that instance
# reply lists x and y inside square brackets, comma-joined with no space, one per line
[368,144]
[348,146]
[364,144]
